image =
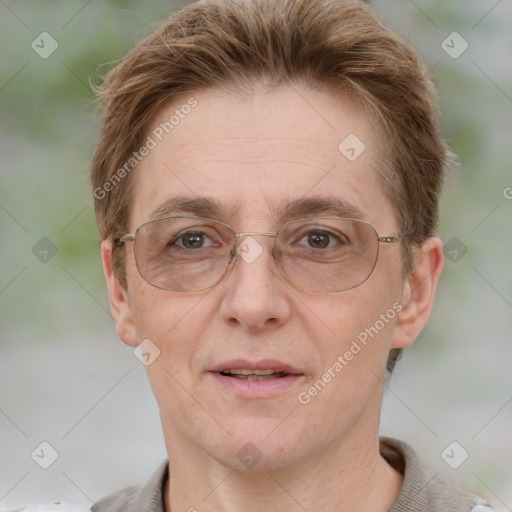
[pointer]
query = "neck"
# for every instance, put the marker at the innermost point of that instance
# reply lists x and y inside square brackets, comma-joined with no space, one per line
[350,477]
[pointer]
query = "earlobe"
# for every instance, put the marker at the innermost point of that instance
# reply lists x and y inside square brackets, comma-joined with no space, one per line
[120,306]
[419,293]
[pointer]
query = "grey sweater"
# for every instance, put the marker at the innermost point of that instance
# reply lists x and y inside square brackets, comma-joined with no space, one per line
[421,492]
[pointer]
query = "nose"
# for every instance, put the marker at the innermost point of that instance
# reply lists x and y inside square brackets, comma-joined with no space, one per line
[255,295]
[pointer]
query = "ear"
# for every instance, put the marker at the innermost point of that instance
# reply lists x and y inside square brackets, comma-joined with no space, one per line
[120,306]
[419,293]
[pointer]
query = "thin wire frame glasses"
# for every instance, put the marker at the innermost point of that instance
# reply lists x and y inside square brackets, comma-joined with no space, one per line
[320,254]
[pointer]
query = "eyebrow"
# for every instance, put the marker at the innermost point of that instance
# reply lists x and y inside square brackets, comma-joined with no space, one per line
[200,206]
[292,208]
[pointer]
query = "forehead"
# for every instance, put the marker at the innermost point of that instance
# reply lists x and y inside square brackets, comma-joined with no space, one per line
[256,158]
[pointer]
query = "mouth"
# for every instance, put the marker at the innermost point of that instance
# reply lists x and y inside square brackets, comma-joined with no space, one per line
[261,379]
[254,374]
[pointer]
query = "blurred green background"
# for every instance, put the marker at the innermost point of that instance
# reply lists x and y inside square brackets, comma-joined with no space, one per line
[64,376]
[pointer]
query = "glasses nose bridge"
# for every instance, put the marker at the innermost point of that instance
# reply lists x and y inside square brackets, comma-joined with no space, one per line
[253,233]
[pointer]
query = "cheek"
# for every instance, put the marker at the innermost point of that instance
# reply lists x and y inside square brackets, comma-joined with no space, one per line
[155,312]
[173,322]
[363,321]
[174,329]
[347,385]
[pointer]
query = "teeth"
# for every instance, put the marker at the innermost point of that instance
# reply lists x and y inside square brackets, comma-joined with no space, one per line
[249,372]
[253,374]
[263,372]
[256,377]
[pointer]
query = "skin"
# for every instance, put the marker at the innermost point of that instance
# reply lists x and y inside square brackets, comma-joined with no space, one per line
[250,152]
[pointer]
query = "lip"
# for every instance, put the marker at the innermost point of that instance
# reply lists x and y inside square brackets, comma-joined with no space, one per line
[263,364]
[256,388]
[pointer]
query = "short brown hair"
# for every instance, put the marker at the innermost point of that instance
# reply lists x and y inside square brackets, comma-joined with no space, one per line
[337,44]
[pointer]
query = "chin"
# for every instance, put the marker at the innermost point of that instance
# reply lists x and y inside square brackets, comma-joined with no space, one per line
[252,458]
[257,445]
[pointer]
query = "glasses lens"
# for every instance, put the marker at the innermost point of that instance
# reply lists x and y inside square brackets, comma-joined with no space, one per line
[182,253]
[327,254]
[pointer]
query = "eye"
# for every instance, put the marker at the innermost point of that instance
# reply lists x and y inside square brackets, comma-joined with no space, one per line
[318,239]
[192,240]
[322,239]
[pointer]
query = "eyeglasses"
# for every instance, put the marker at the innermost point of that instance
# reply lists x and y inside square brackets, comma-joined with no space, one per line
[323,254]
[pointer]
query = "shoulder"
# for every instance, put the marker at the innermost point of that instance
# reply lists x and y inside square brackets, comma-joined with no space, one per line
[119,501]
[131,499]
[425,492]
[149,497]
[446,496]
[54,506]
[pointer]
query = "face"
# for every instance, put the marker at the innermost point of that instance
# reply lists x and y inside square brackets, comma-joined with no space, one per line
[251,156]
